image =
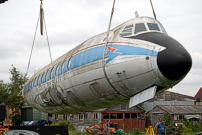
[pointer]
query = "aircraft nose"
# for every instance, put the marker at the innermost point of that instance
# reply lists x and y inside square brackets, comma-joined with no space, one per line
[174,62]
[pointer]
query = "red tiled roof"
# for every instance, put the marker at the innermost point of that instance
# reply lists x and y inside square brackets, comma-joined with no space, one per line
[199,94]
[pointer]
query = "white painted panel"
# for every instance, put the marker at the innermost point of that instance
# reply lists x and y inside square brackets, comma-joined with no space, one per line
[142,96]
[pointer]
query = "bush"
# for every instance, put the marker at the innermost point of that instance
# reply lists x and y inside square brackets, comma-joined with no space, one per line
[167,119]
[187,123]
[63,122]
[196,127]
[137,131]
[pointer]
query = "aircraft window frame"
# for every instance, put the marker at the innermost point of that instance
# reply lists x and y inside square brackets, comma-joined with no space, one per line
[38,80]
[163,29]
[69,63]
[63,64]
[35,82]
[153,26]
[139,28]
[51,73]
[65,68]
[41,79]
[29,85]
[56,70]
[48,75]
[44,77]
[129,26]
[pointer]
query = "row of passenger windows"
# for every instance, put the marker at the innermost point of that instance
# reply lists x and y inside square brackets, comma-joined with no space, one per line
[140,27]
[57,70]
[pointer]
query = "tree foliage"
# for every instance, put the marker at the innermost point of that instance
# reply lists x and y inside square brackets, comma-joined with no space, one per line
[11,93]
[167,119]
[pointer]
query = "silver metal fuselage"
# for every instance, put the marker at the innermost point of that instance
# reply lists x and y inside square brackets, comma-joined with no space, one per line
[77,82]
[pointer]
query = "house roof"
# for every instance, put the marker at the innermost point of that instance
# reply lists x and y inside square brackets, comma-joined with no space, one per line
[182,109]
[199,94]
[172,96]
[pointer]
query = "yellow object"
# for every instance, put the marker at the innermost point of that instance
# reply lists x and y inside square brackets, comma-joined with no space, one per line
[150,131]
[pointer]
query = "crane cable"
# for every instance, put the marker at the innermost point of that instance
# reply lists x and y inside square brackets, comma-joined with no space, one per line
[103,56]
[153,10]
[42,19]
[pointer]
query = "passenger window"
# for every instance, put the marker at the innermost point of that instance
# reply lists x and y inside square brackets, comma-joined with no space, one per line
[51,73]
[36,80]
[39,78]
[29,86]
[61,67]
[56,71]
[65,66]
[139,27]
[33,83]
[45,76]
[153,26]
[48,75]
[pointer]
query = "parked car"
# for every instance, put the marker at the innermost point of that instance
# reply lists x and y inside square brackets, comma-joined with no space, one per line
[38,123]
[24,123]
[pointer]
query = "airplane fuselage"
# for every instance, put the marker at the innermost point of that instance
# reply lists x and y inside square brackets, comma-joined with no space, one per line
[139,55]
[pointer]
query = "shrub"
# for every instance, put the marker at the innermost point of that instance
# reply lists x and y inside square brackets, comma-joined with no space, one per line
[196,127]
[137,131]
[167,119]
[63,122]
[187,123]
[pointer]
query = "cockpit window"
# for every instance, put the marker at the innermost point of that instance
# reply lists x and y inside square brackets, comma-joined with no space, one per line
[164,31]
[129,26]
[128,30]
[153,26]
[139,27]
[125,34]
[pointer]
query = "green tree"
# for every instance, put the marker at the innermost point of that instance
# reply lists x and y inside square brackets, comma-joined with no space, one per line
[167,119]
[11,93]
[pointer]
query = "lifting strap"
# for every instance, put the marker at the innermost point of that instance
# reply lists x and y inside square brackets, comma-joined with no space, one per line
[42,20]
[153,9]
[103,56]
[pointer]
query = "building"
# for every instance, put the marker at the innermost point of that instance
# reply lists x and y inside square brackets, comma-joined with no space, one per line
[178,113]
[199,94]
[169,98]
[28,113]
[126,118]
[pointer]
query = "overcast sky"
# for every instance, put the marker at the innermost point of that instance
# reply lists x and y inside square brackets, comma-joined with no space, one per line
[70,22]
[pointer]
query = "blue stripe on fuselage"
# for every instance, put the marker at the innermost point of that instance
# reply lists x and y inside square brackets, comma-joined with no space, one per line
[95,53]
